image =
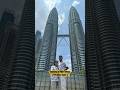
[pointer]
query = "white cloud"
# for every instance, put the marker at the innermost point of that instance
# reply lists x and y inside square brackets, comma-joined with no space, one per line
[42,11]
[41,14]
[51,3]
[61,18]
[75,3]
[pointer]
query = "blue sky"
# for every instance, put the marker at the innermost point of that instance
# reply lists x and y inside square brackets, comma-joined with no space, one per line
[42,10]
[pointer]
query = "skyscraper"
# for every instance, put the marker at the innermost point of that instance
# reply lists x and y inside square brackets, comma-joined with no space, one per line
[102,53]
[49,41]
[6,18]
[77,41]
[38,40]
[7,48]
[23,69]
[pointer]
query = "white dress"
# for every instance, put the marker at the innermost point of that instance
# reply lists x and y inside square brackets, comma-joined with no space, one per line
[62,66]
[54,79]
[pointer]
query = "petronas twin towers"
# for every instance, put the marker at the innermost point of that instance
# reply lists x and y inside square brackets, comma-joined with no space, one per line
[48,47]
[77,41]
[49,41]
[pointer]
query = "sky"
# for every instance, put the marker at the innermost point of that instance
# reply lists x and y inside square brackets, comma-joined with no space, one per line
[42,10]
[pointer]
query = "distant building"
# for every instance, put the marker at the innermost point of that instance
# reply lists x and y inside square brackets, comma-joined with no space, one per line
[7,17]
[38,41]
[7,48]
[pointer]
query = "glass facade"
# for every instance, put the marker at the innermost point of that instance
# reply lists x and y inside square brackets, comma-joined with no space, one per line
[77,41]
[48,46]
[74,82]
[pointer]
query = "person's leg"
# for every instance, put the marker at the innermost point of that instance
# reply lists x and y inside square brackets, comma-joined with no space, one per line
[53,85]
[63,83]
[58,85]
